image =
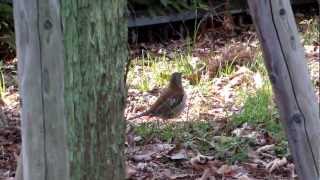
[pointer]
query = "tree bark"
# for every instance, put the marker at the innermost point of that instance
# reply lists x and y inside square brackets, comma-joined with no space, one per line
[95,34]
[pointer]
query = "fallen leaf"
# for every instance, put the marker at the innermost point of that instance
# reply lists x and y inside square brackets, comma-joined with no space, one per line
[130,171]
[182,154]
[244,177]
[208,174]
[224,169]
[137,138]
[143,157]
[275,164]
[142,166]
[180,176]
[201,162]
[265,148]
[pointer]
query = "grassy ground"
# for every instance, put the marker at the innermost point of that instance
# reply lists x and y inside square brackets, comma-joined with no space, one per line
[229,115]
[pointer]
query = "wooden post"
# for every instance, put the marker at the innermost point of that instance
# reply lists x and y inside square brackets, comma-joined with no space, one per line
[286,65]
[40,53]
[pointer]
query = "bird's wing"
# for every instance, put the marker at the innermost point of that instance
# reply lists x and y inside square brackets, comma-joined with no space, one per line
[166,103]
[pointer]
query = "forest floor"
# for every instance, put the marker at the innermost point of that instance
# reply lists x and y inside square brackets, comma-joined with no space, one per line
[230,128]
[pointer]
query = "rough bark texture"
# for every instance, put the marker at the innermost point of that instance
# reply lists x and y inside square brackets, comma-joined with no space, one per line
[95,39]
[284,59]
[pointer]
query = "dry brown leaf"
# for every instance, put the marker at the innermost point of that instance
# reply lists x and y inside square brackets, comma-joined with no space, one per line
[208,174]
[201,162]
[244,177]
[180,155]
[265,148]
[225,169]
[180,176]
[292,170]
[130,171]
[164,147]
[142,157]
[142,166]
[275,164]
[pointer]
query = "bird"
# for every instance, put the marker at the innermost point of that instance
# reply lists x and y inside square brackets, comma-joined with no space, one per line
[171,101]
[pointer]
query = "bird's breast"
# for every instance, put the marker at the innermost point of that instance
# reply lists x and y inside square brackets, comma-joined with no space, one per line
[179,107]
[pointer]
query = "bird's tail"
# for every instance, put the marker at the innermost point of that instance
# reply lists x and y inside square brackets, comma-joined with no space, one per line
[139,115]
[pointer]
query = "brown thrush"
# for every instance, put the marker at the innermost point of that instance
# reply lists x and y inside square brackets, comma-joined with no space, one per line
[171,101]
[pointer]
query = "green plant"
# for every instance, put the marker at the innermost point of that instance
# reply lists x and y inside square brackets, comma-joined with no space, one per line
[161,70]
[199,135]
[311,31]
[198,5]
[258,65]
[282,148]
[166,132]
[231,148]
[227,69]
[259,110]
[149,71]
[182,64]
[145,130]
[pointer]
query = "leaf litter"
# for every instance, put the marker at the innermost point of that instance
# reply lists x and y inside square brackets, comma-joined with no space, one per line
[216,105]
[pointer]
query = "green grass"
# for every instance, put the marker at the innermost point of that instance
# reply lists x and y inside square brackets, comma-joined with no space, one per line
[232,148]
[259,110]
[154,71]
[227,69]
[197,135]
[258,65]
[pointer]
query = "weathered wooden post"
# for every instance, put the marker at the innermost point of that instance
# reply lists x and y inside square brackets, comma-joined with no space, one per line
[40,68]
[286,65]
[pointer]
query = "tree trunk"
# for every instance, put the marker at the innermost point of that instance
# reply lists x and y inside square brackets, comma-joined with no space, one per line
[95,54]
[73,91]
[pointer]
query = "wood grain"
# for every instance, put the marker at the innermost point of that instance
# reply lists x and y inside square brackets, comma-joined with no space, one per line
[40,68]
